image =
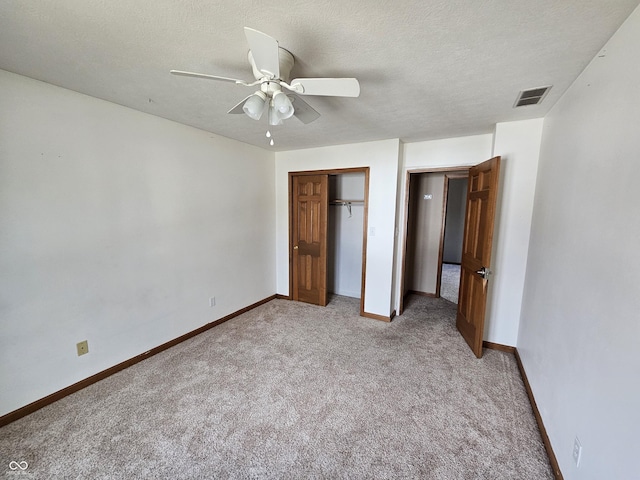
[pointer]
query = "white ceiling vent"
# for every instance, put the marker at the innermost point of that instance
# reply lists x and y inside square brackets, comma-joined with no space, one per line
[533,96]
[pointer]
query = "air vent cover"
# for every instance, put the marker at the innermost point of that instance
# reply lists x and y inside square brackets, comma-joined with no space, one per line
[532,96]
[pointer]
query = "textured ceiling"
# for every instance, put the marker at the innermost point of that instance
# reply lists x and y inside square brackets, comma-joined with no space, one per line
[427,68]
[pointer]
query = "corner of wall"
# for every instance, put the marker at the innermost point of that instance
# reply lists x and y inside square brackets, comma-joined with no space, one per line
[518,143]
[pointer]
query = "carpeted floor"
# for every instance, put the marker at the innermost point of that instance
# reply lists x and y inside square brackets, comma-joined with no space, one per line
[290,390]
[450,282]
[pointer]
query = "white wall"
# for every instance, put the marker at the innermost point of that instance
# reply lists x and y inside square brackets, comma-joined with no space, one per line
[382,158]
[518,144]
[448,152]
[116,228]
[580,324]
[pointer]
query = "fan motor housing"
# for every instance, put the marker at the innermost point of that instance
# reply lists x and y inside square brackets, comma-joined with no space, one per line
[286,61]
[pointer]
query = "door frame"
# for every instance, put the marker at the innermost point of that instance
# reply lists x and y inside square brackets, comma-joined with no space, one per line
[334,171]
[459,170]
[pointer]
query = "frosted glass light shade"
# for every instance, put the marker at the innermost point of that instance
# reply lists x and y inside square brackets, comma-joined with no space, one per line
[254,106]
[274,116]
[283,105]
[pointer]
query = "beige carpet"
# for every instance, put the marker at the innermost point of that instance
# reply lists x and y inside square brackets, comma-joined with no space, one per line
[450,282]
[296,391]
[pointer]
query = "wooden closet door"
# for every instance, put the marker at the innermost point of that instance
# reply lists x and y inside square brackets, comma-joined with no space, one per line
[309,235]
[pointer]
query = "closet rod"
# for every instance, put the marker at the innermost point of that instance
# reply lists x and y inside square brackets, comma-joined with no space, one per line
[346,203]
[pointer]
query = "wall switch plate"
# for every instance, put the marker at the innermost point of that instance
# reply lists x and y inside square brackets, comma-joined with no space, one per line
[212,301]
[577,452]
[83,347]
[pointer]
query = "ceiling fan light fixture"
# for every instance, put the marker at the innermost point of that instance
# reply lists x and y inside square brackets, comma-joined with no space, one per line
[283,105]
[274,119]
[274,116]
[254,106]
[271,66]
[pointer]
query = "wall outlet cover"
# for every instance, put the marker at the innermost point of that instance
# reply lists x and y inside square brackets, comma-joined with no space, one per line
[577,451]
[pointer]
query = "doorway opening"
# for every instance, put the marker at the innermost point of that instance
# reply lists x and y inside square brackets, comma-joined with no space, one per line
[479,219]
[455,199]
[430,211]
[328,224]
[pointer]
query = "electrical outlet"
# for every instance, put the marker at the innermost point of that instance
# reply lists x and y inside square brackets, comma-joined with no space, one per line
[577,452]
[212,301]
[83,347]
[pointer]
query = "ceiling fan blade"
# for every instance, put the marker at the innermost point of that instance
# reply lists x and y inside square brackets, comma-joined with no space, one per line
[204,75]
[331,87]
[264,50]
[302,110]
[238,108]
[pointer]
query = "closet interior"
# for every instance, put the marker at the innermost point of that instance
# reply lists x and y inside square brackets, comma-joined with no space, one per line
[345,234]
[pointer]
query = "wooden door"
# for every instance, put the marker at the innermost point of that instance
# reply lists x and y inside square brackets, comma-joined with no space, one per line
[476,251]
[309,238]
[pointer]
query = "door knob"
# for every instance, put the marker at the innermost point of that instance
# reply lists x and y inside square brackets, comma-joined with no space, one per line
[484,272]
[295,247]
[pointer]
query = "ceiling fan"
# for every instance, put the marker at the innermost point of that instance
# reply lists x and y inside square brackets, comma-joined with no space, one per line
[277,94]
